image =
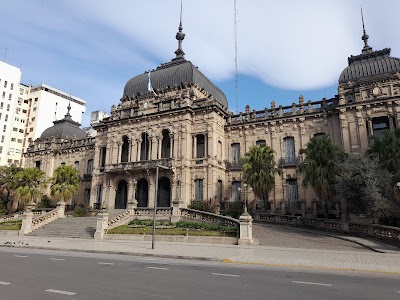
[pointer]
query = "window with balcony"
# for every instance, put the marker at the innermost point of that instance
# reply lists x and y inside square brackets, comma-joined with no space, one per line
[235,155]
[289,152]
[89,169]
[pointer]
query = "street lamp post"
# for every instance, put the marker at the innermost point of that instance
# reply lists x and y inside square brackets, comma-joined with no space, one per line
[153,238]
[245,197]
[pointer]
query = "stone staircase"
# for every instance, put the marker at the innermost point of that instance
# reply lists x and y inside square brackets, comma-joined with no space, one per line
[71,227]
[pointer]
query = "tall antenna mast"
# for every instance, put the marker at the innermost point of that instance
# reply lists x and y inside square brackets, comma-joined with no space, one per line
[235,13]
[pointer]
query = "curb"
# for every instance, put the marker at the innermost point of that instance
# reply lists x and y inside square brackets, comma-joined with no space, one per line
[117,252]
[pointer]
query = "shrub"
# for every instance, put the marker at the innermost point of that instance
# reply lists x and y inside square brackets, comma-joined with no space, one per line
[80,212]
[45,202]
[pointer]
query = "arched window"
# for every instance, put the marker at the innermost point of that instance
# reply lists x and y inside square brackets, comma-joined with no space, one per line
[124,149]
[144,147]
[165,144]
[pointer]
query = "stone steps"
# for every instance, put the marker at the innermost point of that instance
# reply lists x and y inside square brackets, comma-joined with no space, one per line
[72,227]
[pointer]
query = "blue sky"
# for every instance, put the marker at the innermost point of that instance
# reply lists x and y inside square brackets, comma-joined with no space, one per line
[286,48]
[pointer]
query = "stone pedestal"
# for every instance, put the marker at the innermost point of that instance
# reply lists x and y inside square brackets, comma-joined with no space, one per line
[132,204]
[245,229]
[61,209]
[102,225]
[176,210]
[26,226]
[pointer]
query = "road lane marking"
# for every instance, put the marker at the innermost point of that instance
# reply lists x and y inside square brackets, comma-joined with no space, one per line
[157,268]
[105,263]
[227,275]
[312,283]
[21,255]
[5,283]
[60,292]
[53,258]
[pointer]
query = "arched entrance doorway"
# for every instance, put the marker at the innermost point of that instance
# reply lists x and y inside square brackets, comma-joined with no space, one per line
[164,192]
[142,193]
[121,195]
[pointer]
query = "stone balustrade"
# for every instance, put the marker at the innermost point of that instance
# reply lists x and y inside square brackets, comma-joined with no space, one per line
[386,233]
[209,217]
[138,165]
[44,219]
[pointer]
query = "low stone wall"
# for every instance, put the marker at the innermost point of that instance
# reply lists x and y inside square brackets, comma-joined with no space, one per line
[174,238]
[385,233]
[9,232]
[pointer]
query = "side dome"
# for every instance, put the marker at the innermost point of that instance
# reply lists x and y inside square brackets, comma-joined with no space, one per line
[171,74]
[64,128]
[370,63]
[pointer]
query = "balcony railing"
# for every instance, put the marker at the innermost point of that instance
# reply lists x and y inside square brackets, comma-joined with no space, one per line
[289,161]
[294,205]
[138,165]
[234,165]
[87,177]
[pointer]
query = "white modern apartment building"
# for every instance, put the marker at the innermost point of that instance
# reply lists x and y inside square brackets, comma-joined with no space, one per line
[25,112]
[10,78]
[46,105]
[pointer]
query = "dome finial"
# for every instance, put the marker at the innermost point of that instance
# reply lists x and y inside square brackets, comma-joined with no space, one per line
[180,36]
[365,36]
[68,110]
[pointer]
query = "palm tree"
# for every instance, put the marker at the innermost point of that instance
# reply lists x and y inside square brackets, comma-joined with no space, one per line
[386,148]
[8,182]
[29,182]
[259,170]
[320,168]
[64,183]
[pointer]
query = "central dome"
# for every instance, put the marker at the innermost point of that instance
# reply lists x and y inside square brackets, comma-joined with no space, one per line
[173,74]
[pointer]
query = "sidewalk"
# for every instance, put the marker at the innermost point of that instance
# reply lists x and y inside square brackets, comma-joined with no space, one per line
[261,255]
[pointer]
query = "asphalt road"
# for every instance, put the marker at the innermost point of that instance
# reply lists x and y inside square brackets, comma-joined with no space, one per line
[38,274]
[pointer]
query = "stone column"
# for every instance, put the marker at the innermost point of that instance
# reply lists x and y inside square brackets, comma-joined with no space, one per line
[171,145]
[159,143]
[132,202]
[132,152]
[26,226]
[139,144]
[152,190]
[177,202]
[96,160]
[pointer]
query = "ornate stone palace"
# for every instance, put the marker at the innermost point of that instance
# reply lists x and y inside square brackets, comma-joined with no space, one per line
[185,126]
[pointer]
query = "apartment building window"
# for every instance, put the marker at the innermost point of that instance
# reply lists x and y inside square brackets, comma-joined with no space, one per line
[5,83]
[0,116]
[19,141]
[17,151]
[1,149]
[2,138]
[24,111]
[4,95]
[15,129]
[21,130]
[9,97]
[1,105]
[6,118]
[13,139]
[34,109]
[8,107]
[12,86]
[31,129]
[4,128]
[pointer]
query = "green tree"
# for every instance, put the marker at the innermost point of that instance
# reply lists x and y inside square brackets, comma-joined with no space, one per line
[64,183]
[386,148]
[259,170]
[8,182]
[29,182]
[365,186]
[320,168]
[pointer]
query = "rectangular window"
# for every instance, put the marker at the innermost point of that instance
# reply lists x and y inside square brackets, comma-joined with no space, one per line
[260,143]
[15,129]
[12,86]
[9,97]
[2,138]
[21,130]
[4,95]
[1,105]
[1,149]
[235,148]
[37,164]
[13,139]
[4,128]
[289,151]
[19,141]
[99,193]
[89,169]
[236,191]
[200,146]
[103,157]
[6,118]
[0,116]
[198,189]
[86,197]
[5,83]
[292,193]
[77,165]
[8,107]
